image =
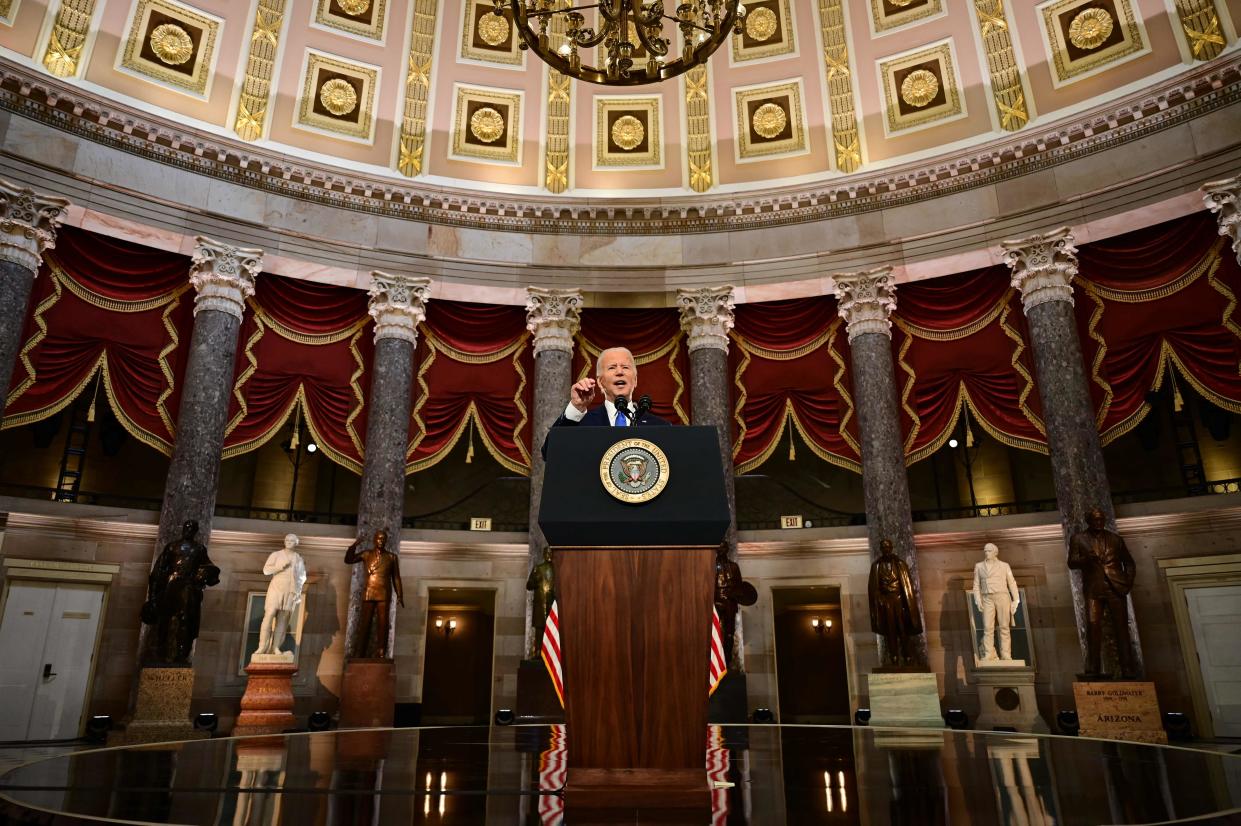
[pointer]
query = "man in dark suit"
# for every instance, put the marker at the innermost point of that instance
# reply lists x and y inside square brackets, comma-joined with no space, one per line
[1108,572]
[616,374]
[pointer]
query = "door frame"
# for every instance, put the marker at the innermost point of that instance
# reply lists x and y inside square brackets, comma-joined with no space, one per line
[794,583]
[1182,574]
[96,574]
[497,589]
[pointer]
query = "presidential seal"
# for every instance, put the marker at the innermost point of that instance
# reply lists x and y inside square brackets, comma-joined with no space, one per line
[634,470]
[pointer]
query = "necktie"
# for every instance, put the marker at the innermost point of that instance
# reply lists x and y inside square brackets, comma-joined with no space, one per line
[621,419]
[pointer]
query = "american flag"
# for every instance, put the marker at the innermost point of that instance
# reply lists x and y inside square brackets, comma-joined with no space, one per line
[552,770]
[717,775]
[717,664]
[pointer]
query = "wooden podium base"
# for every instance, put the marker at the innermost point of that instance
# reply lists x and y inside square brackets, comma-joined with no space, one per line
[636,630]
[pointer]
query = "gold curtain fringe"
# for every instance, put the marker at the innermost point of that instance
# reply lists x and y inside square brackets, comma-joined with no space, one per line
[313,339]
[915,420]
[35,338]
[838,383]
[251,367]
[742,396]
[115,305]
[474,358]
[521,405]
[355,386]
[1209,261]
[783,355]
[957,333]
[1019,347]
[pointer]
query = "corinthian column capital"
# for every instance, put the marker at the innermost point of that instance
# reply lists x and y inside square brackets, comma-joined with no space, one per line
[398,305]
[28,224]
[867,299]
[1224,199]
[553,316]
[223,276]
[1043,267]
[707,316]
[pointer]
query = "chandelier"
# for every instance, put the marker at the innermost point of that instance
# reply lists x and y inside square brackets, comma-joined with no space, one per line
[631,46]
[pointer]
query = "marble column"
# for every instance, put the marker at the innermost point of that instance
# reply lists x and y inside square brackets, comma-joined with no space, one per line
[553,318]
[398,305]
[1043,268]
[223,278]
[28,223]
[867,299]
[1224,199]
[706,317]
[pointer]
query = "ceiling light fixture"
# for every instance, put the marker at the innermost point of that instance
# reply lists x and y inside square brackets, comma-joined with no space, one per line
[629,42]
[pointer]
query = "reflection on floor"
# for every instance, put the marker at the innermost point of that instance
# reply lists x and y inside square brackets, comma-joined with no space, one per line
[780,774]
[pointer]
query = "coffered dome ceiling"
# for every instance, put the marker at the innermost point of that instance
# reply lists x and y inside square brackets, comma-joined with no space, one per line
[436,93]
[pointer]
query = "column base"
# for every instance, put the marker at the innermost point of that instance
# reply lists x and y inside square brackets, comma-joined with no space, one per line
[267,705]
[163,709]
[368,693]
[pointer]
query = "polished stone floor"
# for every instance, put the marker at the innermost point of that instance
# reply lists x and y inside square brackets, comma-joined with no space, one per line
[509,775]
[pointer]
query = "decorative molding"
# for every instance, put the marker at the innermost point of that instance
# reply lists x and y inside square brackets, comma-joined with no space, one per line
[28,224]
[836,64]
[223,276]
[486,125]
[698,145]
[491,38]
[1224,199]
[628,132]
[413,141]
[921,88]
[172,45]
[1200,24]
[1043,267]
[398,304]
[1006,86]
[557,146]
[770,120]
[867,299]
[1070,61]
[360,18]
[553,317]
[907,11]
[260,65]
[767,32]
[1199,91]
[316,111]
[63,55]
[707,314]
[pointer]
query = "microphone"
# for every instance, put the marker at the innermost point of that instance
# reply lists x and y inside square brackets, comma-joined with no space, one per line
[644,407]
[622,404]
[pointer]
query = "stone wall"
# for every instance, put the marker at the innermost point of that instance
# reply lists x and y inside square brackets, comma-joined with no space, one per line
[947,552]
[73,533]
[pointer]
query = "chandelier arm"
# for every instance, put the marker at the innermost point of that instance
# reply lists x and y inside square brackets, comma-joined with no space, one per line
[657,46]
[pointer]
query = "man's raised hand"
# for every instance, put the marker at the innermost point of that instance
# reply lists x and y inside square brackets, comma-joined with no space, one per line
[583,393]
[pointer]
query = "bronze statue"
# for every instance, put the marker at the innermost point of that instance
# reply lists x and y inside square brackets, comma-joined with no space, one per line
[542,581]
[894,613]
[730,591]
[1107,577]
[383,576]
[174,597]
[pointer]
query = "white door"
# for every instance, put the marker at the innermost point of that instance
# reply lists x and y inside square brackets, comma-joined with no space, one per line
[1215,614]
[47,644]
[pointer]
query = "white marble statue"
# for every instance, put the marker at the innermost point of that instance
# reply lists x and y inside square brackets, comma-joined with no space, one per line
[996,595]
[284,594]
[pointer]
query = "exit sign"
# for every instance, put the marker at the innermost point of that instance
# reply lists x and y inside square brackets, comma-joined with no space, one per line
[790,522]
[480,523]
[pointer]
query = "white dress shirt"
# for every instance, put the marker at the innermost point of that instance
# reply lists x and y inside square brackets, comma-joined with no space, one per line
[574,415]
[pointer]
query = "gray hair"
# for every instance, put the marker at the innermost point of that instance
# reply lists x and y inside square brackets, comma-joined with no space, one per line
[625,350]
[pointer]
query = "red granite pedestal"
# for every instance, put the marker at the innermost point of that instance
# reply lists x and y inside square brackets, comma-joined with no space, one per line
[367,693]
[267,705]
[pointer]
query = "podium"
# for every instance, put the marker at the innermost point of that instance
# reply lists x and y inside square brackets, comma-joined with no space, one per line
[635,587]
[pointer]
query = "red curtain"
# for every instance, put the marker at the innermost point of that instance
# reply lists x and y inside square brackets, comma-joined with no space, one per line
[112,308]
[1155,301]
[473,379]
[304,350]
[790,363]
[961,341]
[654,337]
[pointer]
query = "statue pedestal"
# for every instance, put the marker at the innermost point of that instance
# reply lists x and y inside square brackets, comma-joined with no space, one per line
[1006,697]
[267,705]
[163,709]
[368,693]
[909,699]
[536,696]
[1120,710]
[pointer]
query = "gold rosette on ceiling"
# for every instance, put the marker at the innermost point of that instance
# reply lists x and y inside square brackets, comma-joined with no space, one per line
[769,120]
[1090,29]
[338,97]
[171,44]
[487,124]
[493,29]
[354,8]
[919,87]
[628,132]
[761,24]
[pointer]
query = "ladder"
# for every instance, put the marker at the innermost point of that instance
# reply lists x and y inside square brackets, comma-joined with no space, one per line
[1192,473]
[73,459]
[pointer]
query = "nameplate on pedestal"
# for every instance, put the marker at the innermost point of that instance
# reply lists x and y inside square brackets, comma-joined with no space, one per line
[1119,711]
